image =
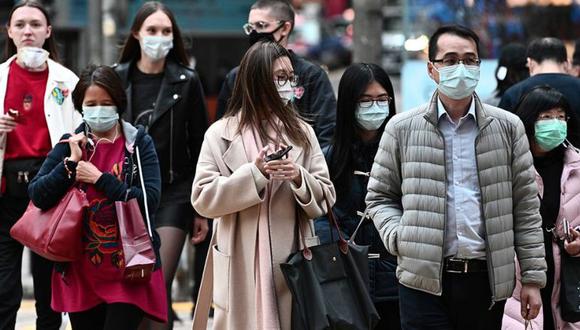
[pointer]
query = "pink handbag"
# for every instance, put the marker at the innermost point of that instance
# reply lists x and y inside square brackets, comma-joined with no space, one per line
[54,234]
[135,237]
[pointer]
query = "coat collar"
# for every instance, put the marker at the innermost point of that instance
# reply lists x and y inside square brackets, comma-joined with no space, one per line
[235,155]
[171,90]
[481,115]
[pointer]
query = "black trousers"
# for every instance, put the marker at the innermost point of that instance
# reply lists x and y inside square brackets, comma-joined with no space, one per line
[11,209]
[116,316]
[464,304]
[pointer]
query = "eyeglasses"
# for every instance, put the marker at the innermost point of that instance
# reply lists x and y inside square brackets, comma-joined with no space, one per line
[453,60]
[281,80]
[383,101]
[562,117]
[259,26]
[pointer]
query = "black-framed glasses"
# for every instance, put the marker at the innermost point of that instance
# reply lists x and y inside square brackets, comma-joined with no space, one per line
[259,26]
[453,60]
[382,102]
[281,79]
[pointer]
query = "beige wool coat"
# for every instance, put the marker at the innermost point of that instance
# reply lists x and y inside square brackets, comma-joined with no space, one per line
[229,188]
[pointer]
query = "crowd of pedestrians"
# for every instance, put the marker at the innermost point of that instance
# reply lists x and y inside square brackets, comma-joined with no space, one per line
[469,207]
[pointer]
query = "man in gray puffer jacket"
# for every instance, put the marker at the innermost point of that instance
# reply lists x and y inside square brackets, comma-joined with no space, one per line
[453,195]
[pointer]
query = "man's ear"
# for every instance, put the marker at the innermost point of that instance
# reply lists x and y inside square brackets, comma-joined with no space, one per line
[430,71]
[286,29]
[531,64]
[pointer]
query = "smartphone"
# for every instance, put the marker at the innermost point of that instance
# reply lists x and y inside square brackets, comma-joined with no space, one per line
[278,154]
[15,114]
[566,228]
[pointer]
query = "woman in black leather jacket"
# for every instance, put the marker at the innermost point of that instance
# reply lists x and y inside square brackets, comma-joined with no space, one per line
[166,97]
[364,106]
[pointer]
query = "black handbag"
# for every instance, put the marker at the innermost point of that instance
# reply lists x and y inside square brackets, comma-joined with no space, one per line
[569,286]
[329,285]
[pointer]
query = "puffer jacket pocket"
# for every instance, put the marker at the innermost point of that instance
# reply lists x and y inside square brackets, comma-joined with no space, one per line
[221,278]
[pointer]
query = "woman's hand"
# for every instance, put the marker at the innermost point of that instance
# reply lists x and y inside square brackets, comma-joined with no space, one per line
[573,247]
[260,162]
[200,230]
[7,123]
[284,169]
[76,142]
[87,172]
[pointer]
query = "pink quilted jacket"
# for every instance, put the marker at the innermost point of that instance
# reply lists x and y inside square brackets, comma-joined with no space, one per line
[569,209]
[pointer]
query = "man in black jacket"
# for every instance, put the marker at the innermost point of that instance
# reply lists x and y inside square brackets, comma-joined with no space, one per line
[548,65]
[313,96]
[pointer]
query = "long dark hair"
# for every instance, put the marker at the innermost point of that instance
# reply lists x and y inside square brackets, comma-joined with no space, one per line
[256,98]
[49,43]
[513,59]
[352,86]
[544,98]
[104,77]
[132,50]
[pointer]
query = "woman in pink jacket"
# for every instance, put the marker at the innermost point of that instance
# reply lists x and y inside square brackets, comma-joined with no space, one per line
[552,129]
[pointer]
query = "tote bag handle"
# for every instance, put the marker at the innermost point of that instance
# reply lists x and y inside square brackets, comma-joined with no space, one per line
[144,192]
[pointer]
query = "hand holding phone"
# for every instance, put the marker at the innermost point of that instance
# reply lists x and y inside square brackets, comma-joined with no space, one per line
[8,122]
[278,154]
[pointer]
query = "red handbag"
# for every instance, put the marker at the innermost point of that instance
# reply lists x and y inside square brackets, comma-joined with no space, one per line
[135,238]
[54,234]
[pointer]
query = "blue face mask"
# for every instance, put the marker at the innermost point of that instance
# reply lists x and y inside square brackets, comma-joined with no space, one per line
[458,81]
[371,118]
[100,118]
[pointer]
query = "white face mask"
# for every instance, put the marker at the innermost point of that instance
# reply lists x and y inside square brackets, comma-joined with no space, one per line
[286,91]
[100,118]
[32,57]
[156,47]
[458,81]
[371,118]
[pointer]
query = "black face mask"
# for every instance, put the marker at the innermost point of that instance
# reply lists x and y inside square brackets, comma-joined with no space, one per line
[256,36]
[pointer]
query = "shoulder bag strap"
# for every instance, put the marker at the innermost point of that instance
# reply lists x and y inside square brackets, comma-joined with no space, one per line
[363,218]
[140,170]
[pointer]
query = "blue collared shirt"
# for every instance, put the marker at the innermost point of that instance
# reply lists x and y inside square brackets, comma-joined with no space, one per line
[465,230]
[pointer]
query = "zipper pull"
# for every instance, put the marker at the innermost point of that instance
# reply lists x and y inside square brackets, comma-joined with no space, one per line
[25,173]
[19,180]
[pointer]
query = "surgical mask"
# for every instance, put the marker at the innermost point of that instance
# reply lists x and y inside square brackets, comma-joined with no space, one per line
[458,81]
[550,133]
[100,118]
[371,118]
[156,47]
[32,57]
[286,91]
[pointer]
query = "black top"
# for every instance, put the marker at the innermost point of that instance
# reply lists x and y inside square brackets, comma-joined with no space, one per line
[565,84]
[550,169]
[145,91]
[177,125]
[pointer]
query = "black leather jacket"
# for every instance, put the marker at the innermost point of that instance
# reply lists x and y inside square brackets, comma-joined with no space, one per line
[177,126]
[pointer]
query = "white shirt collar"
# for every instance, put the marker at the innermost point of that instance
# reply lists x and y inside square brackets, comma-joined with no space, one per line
[441,109]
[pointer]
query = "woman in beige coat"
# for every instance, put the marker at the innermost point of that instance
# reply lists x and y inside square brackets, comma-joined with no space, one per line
[259,205]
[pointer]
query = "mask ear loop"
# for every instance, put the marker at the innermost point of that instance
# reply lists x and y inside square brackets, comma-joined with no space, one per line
[567,144]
